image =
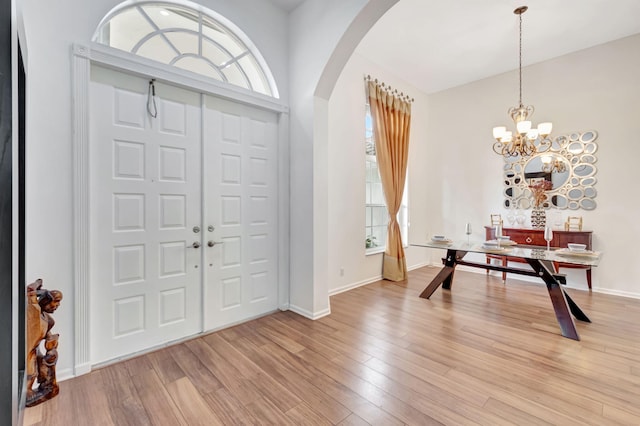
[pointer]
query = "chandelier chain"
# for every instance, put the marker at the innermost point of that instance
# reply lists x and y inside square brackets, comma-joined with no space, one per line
[520,58]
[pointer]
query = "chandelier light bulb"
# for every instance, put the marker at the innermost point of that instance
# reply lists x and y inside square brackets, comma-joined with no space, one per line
[545,129]
[498,132]
[546,159]
[506,137]
[523,127]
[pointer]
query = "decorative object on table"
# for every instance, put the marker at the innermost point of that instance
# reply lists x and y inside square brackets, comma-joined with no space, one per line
[41,303]
[496,219]
[538,215]
[574,182]
[468,231]
[577,247]
[499,233]
[440,239]
[548,236]
[520,218]
[573,223]
[511,217]
[538,254]
[526,141]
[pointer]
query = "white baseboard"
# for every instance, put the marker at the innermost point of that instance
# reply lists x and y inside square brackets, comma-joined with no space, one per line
[354,285]
[66,374]
[629,294]
[418,266]
[370,280]
[308,314]
[81,369]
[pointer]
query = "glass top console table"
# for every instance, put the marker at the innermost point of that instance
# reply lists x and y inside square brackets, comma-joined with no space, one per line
[539,258]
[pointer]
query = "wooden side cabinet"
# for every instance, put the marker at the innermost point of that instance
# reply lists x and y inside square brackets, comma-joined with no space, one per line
[535,237]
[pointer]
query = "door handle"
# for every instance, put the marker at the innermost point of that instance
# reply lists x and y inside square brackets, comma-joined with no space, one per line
[195,245]
[213,243]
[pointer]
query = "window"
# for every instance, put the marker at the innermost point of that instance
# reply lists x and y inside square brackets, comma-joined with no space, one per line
[377,215]
[188,39]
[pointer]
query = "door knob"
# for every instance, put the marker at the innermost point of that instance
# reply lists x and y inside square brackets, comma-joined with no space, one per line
[213,243]
[195,245]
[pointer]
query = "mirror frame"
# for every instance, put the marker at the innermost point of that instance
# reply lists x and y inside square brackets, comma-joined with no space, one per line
[577,150]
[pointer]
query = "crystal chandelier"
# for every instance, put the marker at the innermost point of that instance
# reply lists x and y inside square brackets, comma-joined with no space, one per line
[526,141]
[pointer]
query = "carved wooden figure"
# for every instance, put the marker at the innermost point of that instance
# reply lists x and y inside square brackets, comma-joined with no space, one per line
[41,366]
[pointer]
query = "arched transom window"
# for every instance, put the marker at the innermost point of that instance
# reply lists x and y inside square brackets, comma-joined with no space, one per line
[189,39]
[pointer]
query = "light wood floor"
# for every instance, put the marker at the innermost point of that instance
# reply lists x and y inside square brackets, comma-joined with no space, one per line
[484,353]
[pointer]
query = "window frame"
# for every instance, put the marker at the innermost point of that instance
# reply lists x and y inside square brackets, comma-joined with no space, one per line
[249,62]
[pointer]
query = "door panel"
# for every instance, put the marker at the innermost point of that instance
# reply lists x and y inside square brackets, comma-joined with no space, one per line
[145,201]
[152,181]
[240,203]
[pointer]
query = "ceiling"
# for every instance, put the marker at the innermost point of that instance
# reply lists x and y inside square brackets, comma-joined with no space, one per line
[436,45]
[287,5]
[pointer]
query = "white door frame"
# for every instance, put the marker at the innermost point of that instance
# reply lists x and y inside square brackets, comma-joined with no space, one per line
[82,58]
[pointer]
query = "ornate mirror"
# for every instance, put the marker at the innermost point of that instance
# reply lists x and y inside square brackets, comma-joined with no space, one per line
[569,163]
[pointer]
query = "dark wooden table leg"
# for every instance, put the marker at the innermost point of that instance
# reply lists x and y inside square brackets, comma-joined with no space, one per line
[445,273]
[557,295]
[575,309]
[445,276]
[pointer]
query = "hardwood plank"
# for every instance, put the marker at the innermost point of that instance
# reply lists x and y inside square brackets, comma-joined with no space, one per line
[302,414]
[287,369]
[191,404]
[224,371]
[124,403]
[195,370]
[229,409]
[266,385]
[156,400]
[268,413]
[165,366]
[353,420]
[513,414]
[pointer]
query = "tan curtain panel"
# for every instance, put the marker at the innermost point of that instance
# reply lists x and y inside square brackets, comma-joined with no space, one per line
[391,115]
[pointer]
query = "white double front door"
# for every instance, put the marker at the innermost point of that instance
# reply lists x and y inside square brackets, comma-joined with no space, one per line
[183,214]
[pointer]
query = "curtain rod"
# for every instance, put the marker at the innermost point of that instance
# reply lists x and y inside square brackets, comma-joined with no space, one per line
[389,89]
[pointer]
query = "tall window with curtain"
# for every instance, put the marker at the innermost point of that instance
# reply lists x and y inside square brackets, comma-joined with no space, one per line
[376,213]
[391,120]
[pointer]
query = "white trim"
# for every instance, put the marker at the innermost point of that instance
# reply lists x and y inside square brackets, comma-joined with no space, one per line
[374,250]
[418,266]
[307,314]
[621,293]
[137,65]
[80,75]
[283,212]
[370,280]
[355,285]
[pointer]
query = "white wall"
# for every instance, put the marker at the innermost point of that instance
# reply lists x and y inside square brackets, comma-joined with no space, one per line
[597,88]
[323,34]
[50,29]
[346,205]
